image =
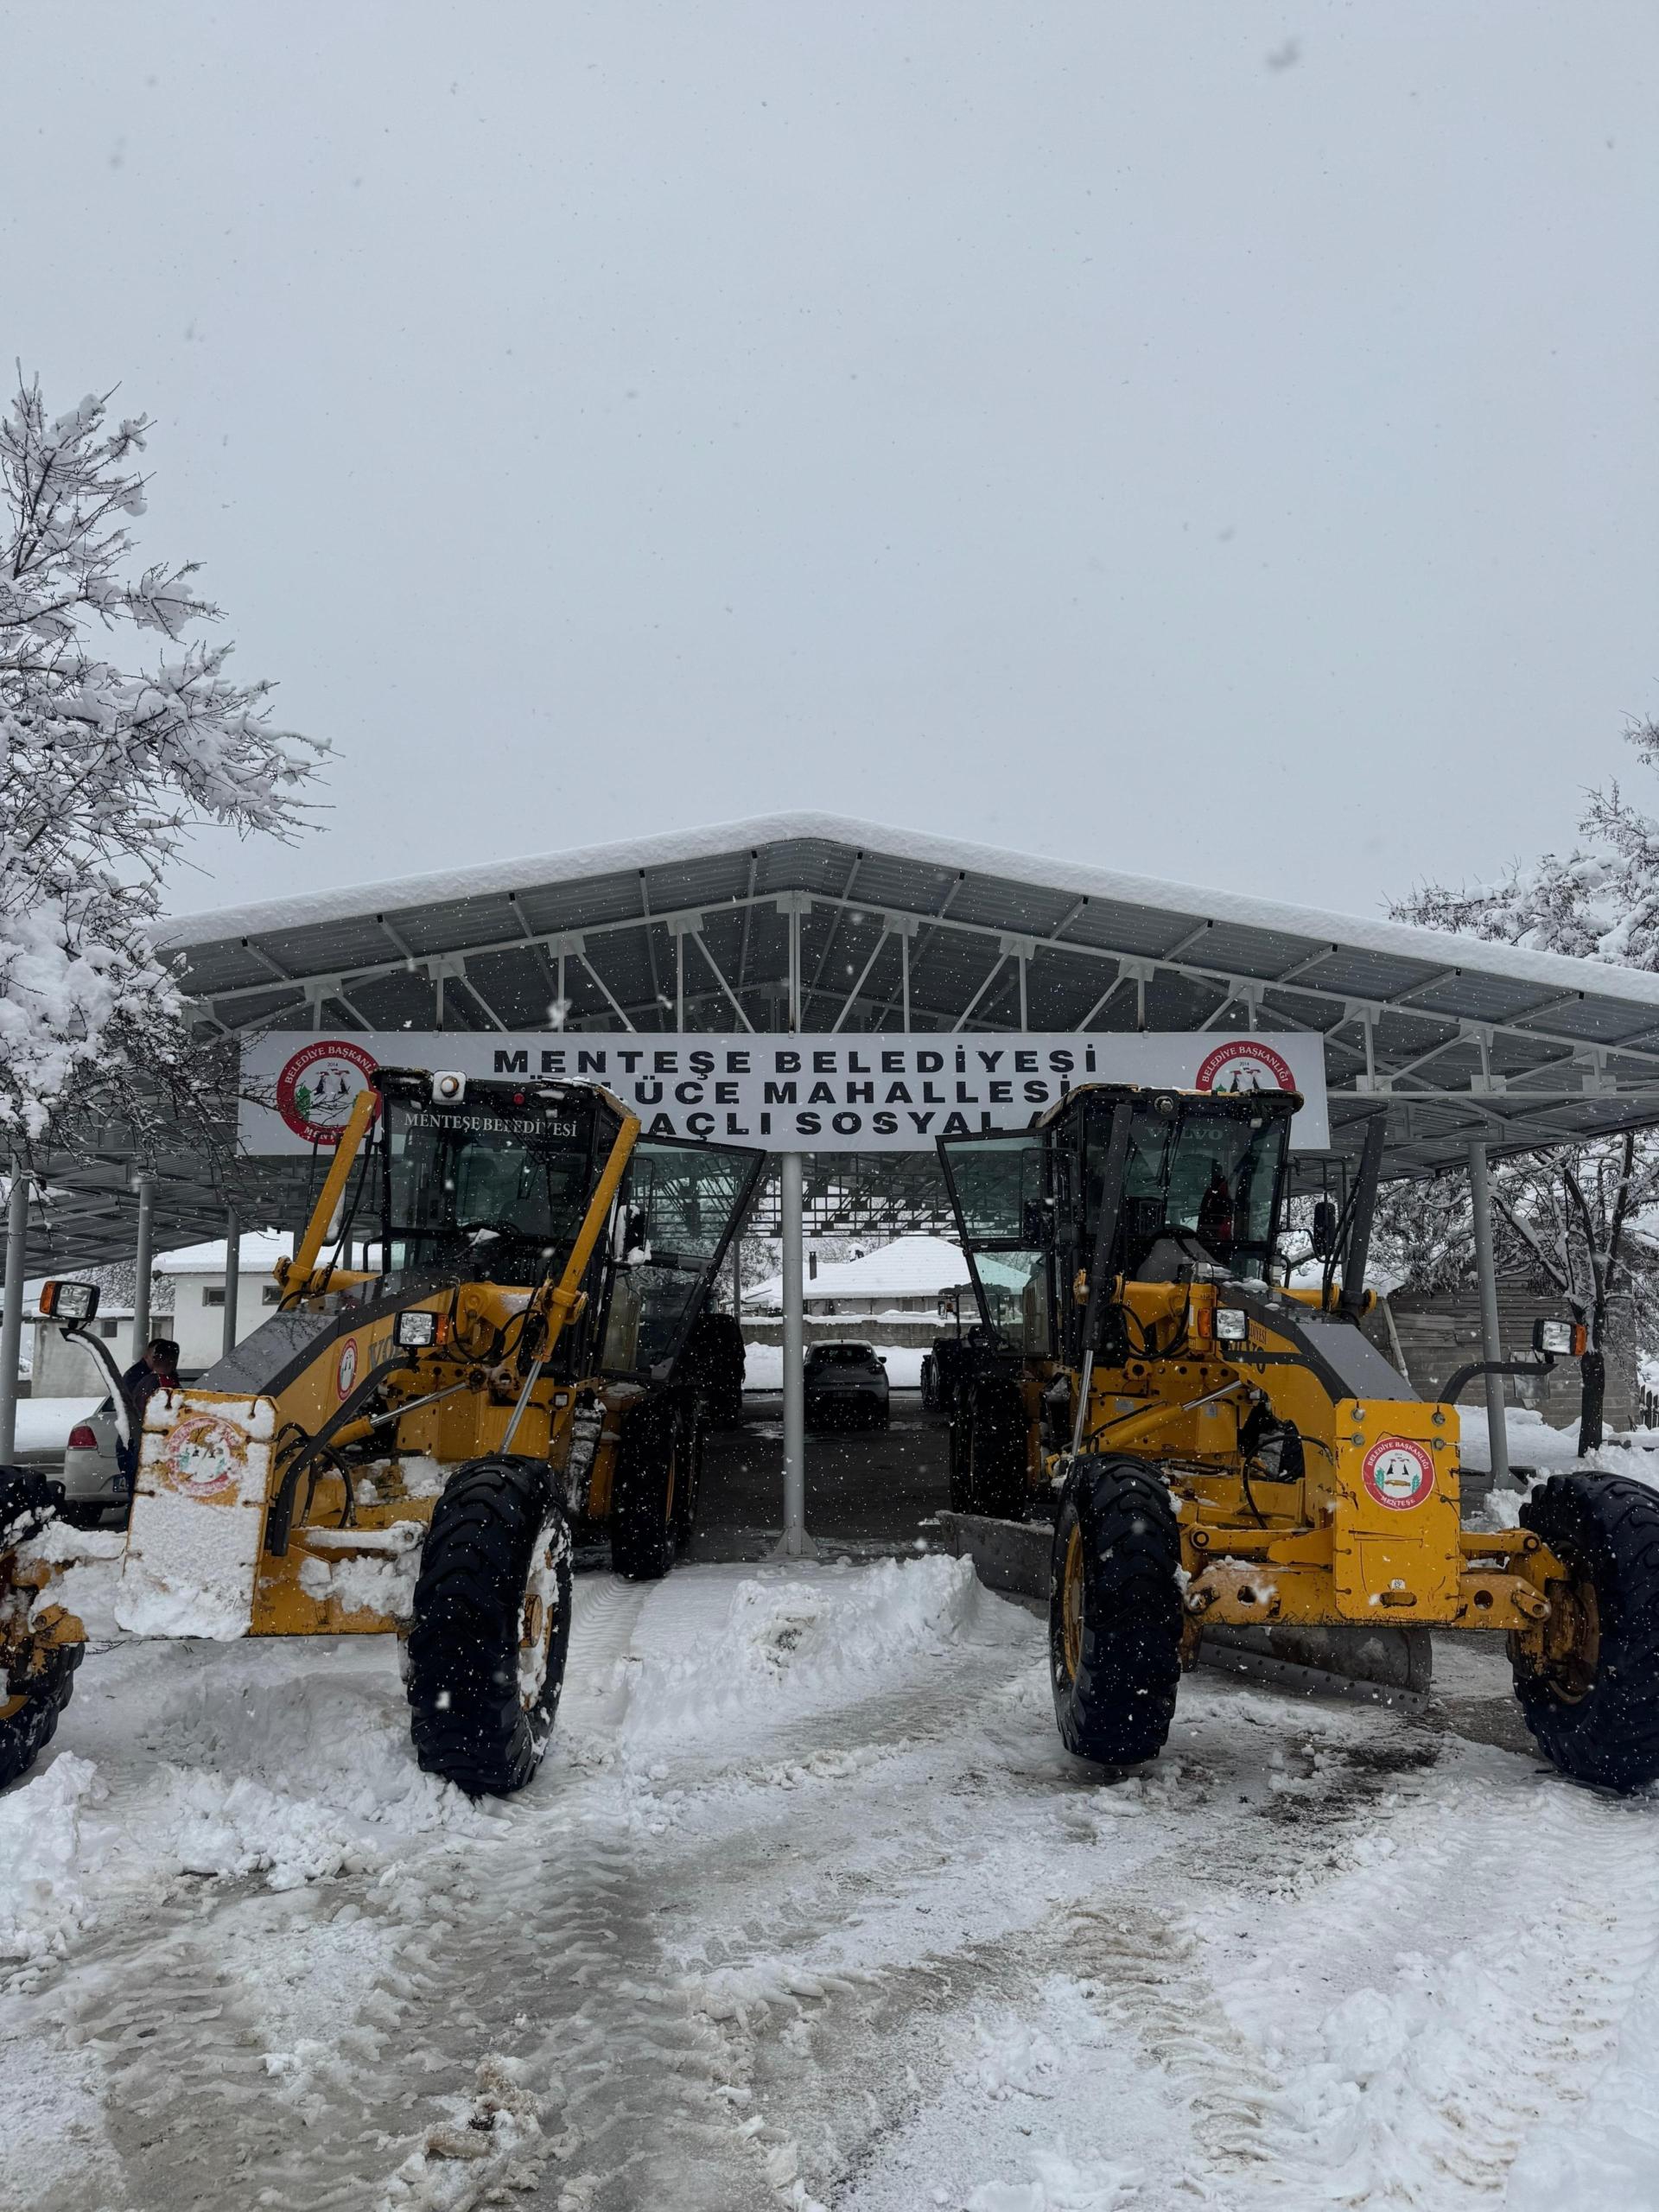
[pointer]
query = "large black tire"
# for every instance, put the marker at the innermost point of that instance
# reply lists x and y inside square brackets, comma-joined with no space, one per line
[30,1704]
[1114,1612]
[1594,1708]
[988,1450]
[649,1510]
[491,1627]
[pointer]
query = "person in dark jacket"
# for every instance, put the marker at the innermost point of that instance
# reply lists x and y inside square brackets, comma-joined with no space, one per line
[158,1370]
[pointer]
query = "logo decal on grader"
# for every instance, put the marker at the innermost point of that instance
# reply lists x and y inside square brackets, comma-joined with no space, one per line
[204,1458]
[317,1088]
[346,1373]
[1398,1473]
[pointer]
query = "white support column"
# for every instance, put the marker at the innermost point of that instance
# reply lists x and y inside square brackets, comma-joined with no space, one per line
[232,1279]
[12,1320]
[904,977]
[145,1187]
[1490,1342]
[795,1543]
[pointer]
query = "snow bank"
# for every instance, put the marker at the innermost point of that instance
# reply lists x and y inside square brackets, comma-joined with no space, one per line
[42,1896]
[791,1636]
[224,1763]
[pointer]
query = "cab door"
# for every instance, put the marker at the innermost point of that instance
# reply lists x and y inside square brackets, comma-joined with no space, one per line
[680,1206]
[1005,1216]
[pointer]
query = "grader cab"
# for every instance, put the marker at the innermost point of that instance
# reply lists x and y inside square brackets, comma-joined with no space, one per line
[1218,1450]
[410,1448]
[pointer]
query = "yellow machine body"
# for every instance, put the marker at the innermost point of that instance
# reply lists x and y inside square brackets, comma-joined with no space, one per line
[300,1511]
[1365,1531]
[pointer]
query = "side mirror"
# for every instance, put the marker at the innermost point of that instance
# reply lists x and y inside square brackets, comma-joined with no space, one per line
[69,1304]
[1560,1339]
[1324,1231]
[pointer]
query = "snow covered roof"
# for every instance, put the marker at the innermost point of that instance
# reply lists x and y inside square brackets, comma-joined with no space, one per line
[1453,1039]
[911,1267]
[257,1252]
[502,881]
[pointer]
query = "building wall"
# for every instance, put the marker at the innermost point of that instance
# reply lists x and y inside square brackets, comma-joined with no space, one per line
[69,1371]
[1437,1334]
[197,1320]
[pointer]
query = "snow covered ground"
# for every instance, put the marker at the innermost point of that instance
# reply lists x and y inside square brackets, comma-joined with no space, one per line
[808,1907]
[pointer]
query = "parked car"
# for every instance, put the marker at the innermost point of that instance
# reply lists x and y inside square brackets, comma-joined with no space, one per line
[846,1383]
[95,1490]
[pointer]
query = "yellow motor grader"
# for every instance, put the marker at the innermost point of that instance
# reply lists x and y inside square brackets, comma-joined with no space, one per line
[408,1450]
[1219,1451]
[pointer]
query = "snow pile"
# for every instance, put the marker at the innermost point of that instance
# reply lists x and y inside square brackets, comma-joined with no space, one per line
[232,1770]
[1059,2186]
[43,1899]
[1014,2058]
[371,1580]
[88,1564]
[791,1637]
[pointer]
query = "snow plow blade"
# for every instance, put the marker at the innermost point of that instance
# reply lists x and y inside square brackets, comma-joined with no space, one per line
[1382,1666]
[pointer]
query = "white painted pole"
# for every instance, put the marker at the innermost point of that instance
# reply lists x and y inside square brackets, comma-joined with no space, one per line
[11,1321]
[141,1264]
[1491,1341]
[232,1278]
[797,1544]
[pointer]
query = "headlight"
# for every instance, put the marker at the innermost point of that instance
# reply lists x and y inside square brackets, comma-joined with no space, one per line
[69,1301]
[415,1329]
[448,1087]
[1232,1326]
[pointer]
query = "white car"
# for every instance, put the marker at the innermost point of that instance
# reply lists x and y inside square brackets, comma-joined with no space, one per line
[846,1384]
[95,1490]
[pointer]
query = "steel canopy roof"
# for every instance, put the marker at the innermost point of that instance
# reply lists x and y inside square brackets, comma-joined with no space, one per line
[1454,1038]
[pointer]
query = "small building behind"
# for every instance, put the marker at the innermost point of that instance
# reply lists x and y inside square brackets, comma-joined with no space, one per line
[197,1272]
[903,1278]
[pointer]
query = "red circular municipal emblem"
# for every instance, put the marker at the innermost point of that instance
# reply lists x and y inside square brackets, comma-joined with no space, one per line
[315,1090]
[346,1373]
[1398,1473]
[1245,1064]
[203,1456]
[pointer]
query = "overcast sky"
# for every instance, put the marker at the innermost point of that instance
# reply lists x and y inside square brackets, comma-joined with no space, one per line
[1215,441]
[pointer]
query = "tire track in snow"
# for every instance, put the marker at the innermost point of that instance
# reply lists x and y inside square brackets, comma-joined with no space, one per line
[533,1944]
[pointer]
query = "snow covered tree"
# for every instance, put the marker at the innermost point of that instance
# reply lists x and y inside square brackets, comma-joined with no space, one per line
[1597,901]
[104,769]
[1568,1221]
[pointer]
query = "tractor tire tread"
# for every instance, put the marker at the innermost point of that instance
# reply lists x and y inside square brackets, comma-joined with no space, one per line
[1608,1525]
[464,1714]
[1118,1708]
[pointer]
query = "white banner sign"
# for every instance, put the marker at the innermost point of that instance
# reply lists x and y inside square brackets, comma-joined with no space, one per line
[878,1092]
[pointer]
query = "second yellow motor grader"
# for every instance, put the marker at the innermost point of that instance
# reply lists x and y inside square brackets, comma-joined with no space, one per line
[409,1450]
[1218,1450]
